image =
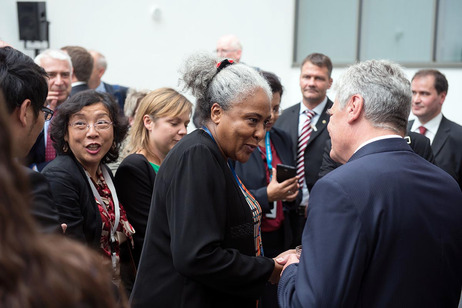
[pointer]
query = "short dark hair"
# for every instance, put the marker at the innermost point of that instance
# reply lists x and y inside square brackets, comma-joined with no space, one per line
[320,60]
[82,62]
[21,79]
[60,123]
[274,82]
[441,83]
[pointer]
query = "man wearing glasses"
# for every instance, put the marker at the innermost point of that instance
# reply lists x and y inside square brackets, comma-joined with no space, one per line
[58,66]
[228,46]
[23,90]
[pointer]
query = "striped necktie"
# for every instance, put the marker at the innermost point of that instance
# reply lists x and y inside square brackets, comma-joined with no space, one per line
[302,143]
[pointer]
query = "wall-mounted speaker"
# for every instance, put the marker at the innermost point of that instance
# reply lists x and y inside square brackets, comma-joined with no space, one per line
[32,20]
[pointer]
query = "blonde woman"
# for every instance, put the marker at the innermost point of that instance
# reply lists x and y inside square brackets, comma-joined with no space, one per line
[160,122]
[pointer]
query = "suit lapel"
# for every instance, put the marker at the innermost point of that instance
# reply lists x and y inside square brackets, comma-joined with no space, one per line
[322,122]
[441,136]
[294,126]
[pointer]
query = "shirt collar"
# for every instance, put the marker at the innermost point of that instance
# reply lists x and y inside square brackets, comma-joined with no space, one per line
[431,126]
[318,109]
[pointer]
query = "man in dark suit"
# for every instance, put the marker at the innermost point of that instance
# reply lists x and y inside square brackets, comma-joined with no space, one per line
[383,230]
[23,89]
[99,68]
[315,80]
[429,90]
[58,66]
[82,63]
[418,143]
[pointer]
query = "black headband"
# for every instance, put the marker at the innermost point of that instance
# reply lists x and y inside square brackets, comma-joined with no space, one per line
[223,64]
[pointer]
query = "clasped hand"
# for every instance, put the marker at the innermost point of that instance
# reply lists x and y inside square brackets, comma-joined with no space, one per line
[281,262]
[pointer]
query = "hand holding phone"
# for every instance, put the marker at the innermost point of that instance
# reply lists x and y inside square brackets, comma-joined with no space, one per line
[285,172]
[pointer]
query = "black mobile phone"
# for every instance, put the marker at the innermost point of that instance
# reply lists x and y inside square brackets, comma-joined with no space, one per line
[285,172]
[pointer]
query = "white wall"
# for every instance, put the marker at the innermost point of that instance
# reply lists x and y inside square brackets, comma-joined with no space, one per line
[145,53]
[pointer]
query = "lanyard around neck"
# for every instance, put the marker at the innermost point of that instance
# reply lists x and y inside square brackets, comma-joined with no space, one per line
[269,154]
[115,200]
[229,164]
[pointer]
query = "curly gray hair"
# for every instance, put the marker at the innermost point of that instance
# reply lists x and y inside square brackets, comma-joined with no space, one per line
[232,84]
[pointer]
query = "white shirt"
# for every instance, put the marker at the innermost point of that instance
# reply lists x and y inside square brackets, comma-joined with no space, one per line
[431,126]
[314,120]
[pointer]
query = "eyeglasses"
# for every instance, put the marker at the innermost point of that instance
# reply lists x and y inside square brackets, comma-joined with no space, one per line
[48,113]
[100,125]
[224,50]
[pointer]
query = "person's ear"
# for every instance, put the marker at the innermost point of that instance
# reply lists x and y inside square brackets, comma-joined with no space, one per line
[355,107]
[23,115]
[216,113]
[101,72]
[147,121]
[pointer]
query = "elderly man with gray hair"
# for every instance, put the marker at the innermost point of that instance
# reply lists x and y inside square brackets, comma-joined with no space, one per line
[383,230]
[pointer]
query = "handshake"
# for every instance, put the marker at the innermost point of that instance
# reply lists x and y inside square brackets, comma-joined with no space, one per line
[282,261]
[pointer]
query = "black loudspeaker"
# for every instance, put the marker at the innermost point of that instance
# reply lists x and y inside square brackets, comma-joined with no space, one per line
[32,20]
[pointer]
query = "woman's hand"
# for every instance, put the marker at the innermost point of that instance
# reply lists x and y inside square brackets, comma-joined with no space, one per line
[280,264]
[287,190]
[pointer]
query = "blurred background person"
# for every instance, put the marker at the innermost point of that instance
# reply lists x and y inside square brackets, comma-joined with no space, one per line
[160,122]
[96,83]
[58,66]
[87,133]
[42,270]
[82,64]
[203,240]
[229,46]
[130,106]
[276,199]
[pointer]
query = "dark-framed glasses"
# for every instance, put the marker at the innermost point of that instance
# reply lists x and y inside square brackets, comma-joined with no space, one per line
[48,113]
[100,125]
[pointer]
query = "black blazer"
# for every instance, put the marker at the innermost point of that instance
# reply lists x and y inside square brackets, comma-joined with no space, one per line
[288,122]
[447,148]
[253,175]
[199,249]
[36,154]
[74,199]
[43,208]
[134,182]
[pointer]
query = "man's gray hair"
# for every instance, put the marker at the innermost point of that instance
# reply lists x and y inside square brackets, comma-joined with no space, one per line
[385,89]
[53,54]
[232,84]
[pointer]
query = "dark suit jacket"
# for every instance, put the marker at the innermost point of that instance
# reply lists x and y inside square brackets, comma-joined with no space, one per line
[43,208]
[418,143]
[199,249]
[253,175]
[447,148]
[79,88]
[36,155]
[74,199]
[288,122]
[383,230]
[119,93]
